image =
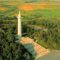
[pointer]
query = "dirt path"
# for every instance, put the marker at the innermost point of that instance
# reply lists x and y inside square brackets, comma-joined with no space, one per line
[3,8]
[35,27]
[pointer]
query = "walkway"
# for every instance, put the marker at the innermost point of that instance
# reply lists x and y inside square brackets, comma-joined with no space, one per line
[35,49]
[53,55]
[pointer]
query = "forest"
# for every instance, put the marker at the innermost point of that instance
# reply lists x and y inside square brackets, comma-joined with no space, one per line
[9,48]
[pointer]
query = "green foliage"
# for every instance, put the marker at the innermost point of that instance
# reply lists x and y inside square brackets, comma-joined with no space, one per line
[49,34]
[9,49]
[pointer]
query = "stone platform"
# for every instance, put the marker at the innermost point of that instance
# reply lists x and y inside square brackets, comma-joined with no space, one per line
[34,48]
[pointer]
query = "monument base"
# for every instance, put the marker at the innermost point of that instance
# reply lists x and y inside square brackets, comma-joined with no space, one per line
[18,38]
[34,48]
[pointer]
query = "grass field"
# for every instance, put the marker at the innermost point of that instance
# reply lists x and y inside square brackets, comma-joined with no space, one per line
[46,9]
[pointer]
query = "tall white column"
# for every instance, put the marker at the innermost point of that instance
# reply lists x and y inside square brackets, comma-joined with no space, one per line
[19,25]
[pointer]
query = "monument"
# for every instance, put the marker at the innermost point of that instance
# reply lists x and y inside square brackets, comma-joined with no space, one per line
[19,25]
[19,32]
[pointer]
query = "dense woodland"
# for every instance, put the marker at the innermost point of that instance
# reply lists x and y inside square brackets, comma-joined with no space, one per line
[9,48]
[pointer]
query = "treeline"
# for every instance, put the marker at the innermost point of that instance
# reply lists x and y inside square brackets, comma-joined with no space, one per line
[9,49]
[49,36]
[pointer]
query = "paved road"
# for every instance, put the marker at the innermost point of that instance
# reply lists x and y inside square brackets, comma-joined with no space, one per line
[54,55]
